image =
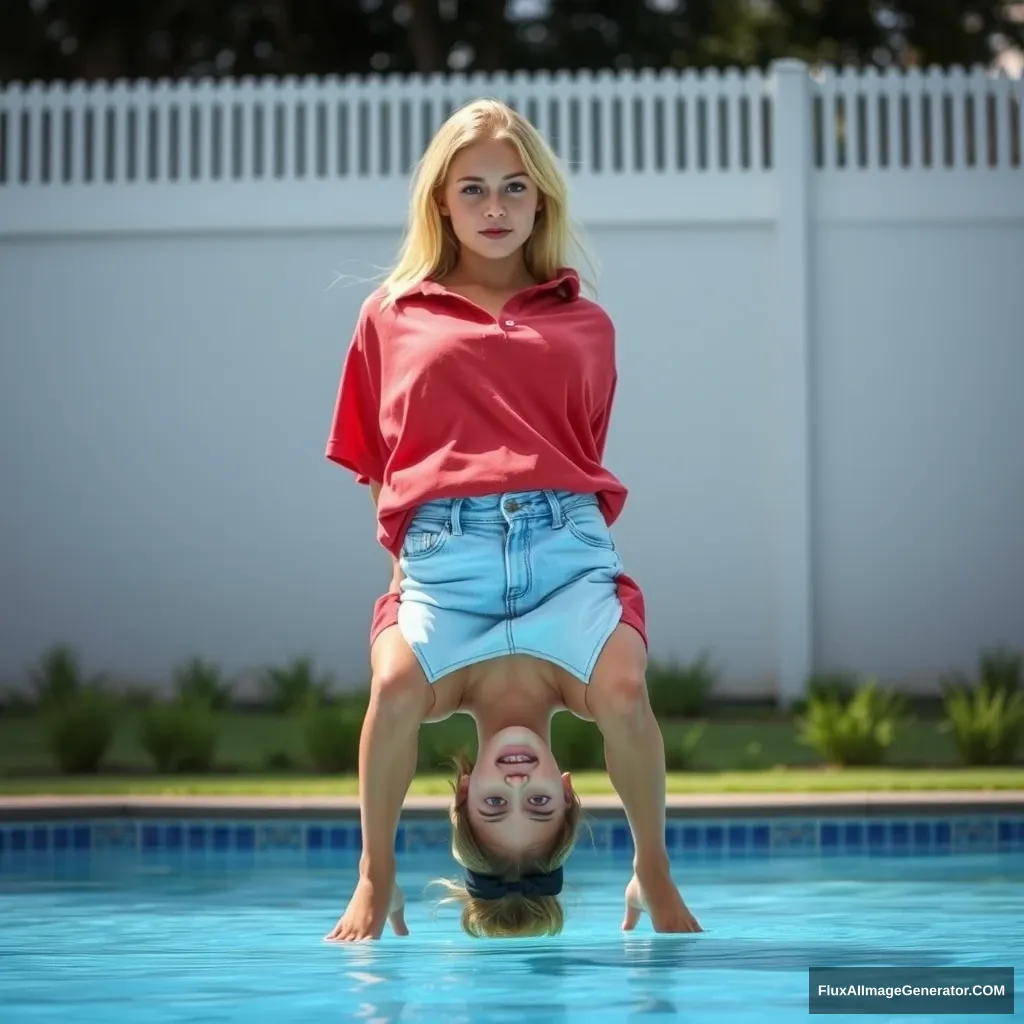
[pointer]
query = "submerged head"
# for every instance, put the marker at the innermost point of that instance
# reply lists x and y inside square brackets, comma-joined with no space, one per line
[515,819]
[488,184]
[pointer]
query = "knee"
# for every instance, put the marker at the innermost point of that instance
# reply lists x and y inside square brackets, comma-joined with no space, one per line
[621,697]
[400,692]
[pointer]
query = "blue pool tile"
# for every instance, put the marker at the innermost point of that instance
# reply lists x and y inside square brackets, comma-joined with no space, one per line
[174,837]
[152,837]
[19,839]
[339,838]
[899,835]
[245,837]
[61,837]
[977,835]
[316,837]
[941,835]
[853,837]
[760,837]
[828,837]
[692,837]
[81,837]
[221,837]
[794,836]
[877,838]
[197,837]
[714,837]
[40,838]
[738,836]
[621,839]
[922,836]
[672,838]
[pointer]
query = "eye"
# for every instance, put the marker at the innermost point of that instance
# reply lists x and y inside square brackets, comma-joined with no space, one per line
[517,186]
[470,189]
[539,800]
[494,801]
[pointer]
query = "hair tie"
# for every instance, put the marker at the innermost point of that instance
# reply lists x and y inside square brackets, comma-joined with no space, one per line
[493,887]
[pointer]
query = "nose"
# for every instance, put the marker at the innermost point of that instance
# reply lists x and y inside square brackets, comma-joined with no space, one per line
[517,780]
[495,209]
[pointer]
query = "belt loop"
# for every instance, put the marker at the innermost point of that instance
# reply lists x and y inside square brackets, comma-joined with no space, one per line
[456,520]
[556,510]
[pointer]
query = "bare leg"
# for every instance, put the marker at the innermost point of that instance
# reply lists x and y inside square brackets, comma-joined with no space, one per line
[400,701]
[635,758]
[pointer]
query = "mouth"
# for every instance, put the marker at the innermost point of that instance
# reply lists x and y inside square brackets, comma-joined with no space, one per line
[516,757]
[496,232]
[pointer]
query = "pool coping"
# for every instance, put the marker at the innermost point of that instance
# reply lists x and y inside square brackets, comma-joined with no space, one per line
[679,806]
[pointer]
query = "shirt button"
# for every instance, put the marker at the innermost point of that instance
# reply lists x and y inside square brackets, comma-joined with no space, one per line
[510,323]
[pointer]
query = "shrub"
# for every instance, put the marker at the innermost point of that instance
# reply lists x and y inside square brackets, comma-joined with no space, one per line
[857,731]
[180,736]
[295,686]
[577,745]
[681,689]
[80,728]
[1001,670]
[58,677]
[332,735]
[987,721]
[201,682]
[440,742]
[681,748]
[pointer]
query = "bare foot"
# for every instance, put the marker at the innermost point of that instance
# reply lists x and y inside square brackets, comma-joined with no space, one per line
[655,893]
[373,904]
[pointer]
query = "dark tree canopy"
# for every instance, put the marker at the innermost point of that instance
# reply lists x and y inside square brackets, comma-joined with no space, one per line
[104,39]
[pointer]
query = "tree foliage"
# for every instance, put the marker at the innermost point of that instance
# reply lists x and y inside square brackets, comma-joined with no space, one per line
[103,39]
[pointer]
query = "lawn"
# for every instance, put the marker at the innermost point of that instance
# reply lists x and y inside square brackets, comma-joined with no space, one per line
[264,754]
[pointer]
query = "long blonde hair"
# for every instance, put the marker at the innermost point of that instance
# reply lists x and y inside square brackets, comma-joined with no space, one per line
[430,248]
[515,915]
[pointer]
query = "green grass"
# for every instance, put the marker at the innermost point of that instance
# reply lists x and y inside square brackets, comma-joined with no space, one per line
[586,783]
[755,755]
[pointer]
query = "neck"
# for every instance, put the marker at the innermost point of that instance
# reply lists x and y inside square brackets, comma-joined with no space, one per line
[508,274]
[526,714]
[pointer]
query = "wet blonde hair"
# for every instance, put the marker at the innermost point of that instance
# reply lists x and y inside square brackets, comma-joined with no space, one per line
[430,249]
[515,915]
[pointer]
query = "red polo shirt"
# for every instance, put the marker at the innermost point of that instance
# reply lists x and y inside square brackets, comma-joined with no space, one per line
[438,399]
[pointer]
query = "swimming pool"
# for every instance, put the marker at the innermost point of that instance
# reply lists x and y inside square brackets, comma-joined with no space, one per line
[148,921]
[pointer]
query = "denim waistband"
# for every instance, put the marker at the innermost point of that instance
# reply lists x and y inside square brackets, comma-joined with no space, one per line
[504,508]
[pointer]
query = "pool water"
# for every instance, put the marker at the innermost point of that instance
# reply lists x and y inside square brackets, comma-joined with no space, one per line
[126,941]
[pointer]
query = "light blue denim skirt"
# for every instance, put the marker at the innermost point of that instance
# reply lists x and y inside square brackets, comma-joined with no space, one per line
[527,572]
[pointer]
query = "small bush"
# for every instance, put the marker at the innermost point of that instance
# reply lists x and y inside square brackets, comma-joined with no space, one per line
[294,687]
[180,736]
[439,743]
[987,721]
[80,728]
[199,681]
[58,677]
[1001,670]
[681,748]
[279,761]
[332,736]
[577,745]
[681,689]
[857,731]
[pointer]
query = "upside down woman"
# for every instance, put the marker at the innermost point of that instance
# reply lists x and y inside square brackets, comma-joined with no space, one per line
[475,403]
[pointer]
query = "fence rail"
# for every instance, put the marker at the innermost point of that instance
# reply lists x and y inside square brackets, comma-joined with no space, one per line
[645,124]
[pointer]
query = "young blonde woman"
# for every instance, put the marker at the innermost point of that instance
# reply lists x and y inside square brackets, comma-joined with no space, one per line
[475,402]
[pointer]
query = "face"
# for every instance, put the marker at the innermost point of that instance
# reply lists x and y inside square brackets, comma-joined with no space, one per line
[491,201]
[516,798]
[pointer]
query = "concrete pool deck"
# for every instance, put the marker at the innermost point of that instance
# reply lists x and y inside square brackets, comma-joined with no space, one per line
[692,806]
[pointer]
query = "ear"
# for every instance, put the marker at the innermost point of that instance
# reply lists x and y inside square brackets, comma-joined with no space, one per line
[442,207]
[462,791]
[567,787]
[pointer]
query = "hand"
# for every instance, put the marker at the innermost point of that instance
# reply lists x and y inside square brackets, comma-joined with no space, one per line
[654,892]
[373,904]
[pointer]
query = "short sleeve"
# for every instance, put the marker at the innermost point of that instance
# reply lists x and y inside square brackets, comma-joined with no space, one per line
[355,440]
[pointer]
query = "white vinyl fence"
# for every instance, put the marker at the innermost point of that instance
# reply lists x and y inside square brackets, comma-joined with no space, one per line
[815,278]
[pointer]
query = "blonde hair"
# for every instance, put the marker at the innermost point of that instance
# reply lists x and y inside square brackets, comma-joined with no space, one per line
[430,248]
[514,915]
